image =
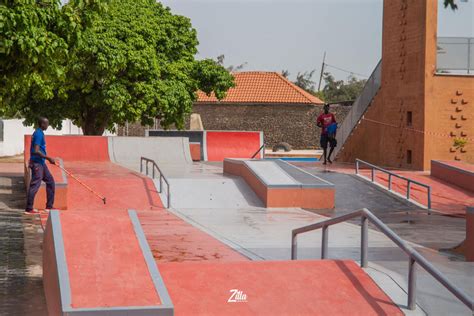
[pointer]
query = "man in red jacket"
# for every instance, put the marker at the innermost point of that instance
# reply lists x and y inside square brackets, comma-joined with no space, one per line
[324,121]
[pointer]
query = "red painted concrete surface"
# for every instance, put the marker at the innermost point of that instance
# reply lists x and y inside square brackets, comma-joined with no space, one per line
[198,270]
[74,148]
[195,150]
[221,145]
[105,261]
[457,173]
[275,288]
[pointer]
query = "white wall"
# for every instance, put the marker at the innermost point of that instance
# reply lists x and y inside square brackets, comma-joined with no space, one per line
[14,131]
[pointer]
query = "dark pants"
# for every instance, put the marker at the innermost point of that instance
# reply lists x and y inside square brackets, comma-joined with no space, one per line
[40,172]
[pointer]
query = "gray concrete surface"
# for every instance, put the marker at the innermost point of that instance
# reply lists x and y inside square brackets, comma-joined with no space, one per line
[410,222]
[127,151]
[270,173]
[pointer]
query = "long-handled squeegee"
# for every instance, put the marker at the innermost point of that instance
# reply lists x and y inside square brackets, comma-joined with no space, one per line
[81,183]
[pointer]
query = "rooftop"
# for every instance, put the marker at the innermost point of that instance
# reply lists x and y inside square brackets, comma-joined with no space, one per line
[262,87]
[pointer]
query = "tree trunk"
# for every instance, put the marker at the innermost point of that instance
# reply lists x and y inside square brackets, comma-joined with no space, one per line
[93,125]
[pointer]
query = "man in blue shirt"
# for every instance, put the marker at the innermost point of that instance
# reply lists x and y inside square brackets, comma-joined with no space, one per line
[39,169]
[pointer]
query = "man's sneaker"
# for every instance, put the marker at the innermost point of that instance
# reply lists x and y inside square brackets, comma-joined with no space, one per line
[32,212]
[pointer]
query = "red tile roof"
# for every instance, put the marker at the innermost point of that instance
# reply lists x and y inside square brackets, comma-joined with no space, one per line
[262,87]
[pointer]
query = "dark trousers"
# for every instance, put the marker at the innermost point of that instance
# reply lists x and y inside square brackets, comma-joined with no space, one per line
[40,172]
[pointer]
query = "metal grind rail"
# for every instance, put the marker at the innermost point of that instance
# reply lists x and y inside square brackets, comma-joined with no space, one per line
[390,174]
[414,257]
[258,151]
[153,173]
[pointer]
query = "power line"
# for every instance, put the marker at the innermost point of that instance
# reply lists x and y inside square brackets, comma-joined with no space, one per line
[348,71]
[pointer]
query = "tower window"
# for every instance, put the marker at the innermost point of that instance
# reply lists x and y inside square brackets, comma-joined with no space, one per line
[409,157]
[410,118]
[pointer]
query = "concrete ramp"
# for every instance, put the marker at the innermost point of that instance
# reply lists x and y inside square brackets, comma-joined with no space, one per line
[127,151]
[212,193]
[325,287]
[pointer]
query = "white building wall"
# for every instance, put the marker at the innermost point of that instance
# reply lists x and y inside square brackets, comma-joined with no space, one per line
[14,132]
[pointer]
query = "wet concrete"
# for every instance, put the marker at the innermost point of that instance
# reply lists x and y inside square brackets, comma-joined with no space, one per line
[21,286]
[410,222]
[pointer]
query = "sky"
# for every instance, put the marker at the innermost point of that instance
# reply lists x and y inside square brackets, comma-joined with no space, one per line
[273,35]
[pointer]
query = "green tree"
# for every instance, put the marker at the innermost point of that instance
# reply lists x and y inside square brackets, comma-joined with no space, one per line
[304,80]
[221,61]
[340,90]
[450,3]
[33,49]
[134,61]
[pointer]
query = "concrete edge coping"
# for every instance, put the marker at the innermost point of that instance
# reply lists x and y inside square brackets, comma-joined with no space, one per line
[447,166]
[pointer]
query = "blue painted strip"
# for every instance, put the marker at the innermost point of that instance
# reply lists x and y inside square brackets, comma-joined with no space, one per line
[297,159]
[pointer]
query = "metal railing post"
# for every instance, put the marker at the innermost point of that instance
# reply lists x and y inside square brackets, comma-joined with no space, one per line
[411,284]
[429,200]
[153,172]
[373,174]
[408,189]
[364,242]
[357,166]
[161,183]
[294,246]
[141,165]
[168,202]
[390,182]
[468,56]
[147,167]
[324,243]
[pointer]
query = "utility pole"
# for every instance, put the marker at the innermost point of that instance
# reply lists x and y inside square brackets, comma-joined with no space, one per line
[322,72]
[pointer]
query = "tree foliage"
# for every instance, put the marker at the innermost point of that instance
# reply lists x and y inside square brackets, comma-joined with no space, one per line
[450,3]
[334,90]
[221,61]
[135,61]
[304,80]
[339,90]
[34,40]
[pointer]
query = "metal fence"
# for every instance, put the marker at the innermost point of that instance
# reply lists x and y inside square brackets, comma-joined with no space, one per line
[455,55]
[359,107]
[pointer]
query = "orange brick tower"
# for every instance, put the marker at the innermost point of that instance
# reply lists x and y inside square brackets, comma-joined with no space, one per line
[418,113]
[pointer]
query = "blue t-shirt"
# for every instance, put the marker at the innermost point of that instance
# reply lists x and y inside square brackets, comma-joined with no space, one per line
[38,139]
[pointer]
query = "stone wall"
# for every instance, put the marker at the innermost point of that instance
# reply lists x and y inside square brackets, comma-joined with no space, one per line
[292,123]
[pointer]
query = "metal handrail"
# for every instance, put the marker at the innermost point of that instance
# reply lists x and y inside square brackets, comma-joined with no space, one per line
[259,150]
[359,107]
[414,257]
[392,174]
[162,177]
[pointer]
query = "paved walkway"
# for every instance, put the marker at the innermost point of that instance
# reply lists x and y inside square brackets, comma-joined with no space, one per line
[21,286]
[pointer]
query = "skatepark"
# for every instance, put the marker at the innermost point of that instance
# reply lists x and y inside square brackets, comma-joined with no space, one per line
[218,234]
[217,222]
